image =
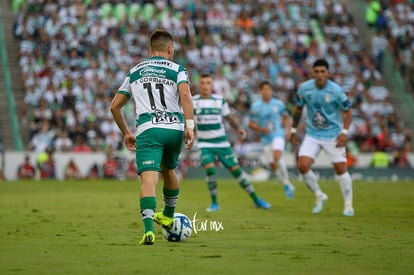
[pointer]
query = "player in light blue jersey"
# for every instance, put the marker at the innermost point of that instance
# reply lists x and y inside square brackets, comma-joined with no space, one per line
[266,117]
[325,129]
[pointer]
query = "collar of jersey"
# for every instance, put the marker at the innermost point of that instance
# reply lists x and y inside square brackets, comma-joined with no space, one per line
[157,57]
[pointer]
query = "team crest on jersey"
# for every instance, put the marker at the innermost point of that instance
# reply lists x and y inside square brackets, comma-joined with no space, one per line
[328,98]
[162,117]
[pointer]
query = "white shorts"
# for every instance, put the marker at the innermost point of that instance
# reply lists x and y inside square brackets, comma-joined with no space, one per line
[311,147]
[278,144]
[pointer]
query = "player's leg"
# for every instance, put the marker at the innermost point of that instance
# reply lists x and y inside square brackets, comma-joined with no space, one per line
[148,157]
[229,160]
[338,158]
[308,151]
[345,182]
[283,176]
[148,204]
[280,168]
[207,161]
[170,191]
[171,188]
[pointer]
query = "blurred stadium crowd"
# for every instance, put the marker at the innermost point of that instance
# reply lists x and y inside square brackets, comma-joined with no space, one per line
[74,55]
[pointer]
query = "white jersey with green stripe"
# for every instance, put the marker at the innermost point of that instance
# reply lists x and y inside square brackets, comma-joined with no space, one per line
[208,114]
[153,85]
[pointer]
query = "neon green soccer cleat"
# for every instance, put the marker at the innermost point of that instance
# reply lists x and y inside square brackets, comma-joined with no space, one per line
[148,238]
[163,220]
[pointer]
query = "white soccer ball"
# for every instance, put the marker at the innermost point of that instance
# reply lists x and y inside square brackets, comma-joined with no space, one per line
[181,229]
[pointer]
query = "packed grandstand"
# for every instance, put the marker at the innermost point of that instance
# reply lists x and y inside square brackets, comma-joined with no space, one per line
[75,54]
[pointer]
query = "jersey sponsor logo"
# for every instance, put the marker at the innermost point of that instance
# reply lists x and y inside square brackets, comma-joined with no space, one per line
[198,110]
[204,120]
[151,71]
[319,120]
[162,117]
[155,62]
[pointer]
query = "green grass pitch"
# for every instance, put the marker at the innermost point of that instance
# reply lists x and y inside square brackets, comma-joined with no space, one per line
[93,227]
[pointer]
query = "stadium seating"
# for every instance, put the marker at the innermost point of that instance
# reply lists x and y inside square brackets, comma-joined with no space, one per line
[75,54]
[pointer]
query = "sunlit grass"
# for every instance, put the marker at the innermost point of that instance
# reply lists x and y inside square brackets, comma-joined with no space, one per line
[91,227]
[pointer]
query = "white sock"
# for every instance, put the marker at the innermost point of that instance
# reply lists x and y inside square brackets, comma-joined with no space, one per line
[312,182]
[345,182]
[282,173]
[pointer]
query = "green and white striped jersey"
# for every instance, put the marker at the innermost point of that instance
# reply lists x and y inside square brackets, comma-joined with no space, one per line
[208,114]
[153,85]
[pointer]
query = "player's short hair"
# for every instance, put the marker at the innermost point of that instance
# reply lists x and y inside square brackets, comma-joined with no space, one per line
[321,63]
[160,39]
[264,83]
[206,75]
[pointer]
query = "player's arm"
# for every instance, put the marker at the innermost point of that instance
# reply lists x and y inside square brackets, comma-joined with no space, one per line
[116,109]
[346,107]
[255,127]
[297,113]
[342,138]
[233,123]
[186,101]
[286,125]
[347,118]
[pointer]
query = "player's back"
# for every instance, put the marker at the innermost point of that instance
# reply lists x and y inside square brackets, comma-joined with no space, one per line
[153,85]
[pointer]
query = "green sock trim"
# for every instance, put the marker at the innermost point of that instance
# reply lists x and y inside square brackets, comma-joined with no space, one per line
[148,225]
[214,198]
[245,184]
[148,204]
[168,211]
[236,173]
[170,193]
[170,200]
[211,171]
[254,196]
[212,183]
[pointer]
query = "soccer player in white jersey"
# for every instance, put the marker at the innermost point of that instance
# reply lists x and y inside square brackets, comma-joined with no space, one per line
[325,129]
[161,91]
[209,111]
[269,118]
